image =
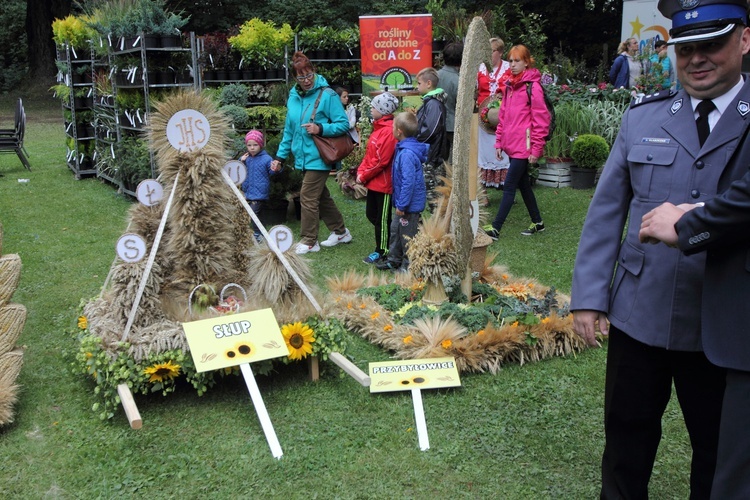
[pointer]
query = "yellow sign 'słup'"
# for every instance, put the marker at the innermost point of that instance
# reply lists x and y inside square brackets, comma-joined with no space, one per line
[234,339]
[433,373]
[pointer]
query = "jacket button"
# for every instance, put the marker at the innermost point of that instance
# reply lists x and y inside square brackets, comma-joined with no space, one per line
[695,193]
[650,157]
[699,164]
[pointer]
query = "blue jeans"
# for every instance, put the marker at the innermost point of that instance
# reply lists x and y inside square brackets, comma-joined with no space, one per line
[518,178]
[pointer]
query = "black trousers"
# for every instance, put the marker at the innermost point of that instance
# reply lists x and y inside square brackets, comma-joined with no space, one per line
[637,389]
[732,480]
[379,213]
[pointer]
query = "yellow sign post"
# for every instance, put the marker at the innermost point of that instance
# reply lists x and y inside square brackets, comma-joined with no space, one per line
[239,339]
[414,375]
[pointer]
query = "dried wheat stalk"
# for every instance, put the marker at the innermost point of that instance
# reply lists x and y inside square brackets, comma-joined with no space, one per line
[10,366]
[12,321]
[10,274]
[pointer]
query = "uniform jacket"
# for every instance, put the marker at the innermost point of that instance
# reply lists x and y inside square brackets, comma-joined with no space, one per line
[330,115]
[522,125]
[619,73]
[258,180]
[722,230]
[655,294]
[409,191]
[431,119]
[375,168]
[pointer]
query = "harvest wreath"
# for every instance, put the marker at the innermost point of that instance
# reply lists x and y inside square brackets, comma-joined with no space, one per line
[506,320]
[509,320]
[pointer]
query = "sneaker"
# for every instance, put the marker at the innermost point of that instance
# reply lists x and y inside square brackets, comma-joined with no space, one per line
[334,239]
[387,265]
[301,248]
[533,229]
[491,232]
[372,258]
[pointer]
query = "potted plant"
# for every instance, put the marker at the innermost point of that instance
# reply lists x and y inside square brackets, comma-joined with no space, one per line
[261,43]
[571,119]
[315,41]
[133,162]
[214,55]
[62,92]
[74,32]
[153,19]
[351,42]
[267,118]
[589,152]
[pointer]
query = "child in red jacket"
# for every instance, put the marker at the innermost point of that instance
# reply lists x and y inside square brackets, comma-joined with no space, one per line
[375,172]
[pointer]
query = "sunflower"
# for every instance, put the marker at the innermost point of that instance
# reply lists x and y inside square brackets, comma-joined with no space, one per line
[161,372]
[299,339]
[83,322]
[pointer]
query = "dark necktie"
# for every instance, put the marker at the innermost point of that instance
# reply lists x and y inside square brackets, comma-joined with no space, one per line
[704,108]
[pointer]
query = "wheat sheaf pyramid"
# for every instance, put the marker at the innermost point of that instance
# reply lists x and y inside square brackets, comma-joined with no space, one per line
[12,320]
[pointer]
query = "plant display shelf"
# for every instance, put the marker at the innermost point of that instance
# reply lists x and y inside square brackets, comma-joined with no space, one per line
[79,150]
[148,56]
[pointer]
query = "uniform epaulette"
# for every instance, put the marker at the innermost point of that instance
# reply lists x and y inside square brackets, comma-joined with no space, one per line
[656,96]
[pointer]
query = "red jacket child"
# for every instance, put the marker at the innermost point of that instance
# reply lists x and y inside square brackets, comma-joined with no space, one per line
[375,170]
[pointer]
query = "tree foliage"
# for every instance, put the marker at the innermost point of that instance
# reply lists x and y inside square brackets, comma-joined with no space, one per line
[579,28]
[13,61]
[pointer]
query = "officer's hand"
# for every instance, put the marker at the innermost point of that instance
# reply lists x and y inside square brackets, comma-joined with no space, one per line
[585,322]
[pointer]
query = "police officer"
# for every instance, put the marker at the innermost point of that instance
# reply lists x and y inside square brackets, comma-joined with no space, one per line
[722,228]
[672,147]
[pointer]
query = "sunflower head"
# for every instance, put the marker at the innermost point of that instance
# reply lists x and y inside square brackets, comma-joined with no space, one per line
[83,322]
[161,372]
[299,338]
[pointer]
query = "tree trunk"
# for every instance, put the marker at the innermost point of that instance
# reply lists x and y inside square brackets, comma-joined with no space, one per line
[39,17]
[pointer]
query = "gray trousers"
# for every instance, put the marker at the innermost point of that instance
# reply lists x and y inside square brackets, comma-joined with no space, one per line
[403,228]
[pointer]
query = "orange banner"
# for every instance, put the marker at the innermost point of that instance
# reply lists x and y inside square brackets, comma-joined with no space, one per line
[395,48]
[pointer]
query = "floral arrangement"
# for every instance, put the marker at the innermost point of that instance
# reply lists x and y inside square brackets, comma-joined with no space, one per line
[488,112]
[110,366]
[508,320]
[495,104]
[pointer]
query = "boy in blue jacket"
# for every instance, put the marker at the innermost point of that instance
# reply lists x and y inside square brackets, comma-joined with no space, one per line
[409,192]
[257,184]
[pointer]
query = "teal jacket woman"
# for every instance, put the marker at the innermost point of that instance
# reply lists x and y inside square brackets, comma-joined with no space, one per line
[330,116]
[330,121]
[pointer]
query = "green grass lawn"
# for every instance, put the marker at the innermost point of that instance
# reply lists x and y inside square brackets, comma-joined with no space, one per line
[532,431]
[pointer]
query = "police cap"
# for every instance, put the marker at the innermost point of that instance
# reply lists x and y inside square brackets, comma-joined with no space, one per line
[698,20]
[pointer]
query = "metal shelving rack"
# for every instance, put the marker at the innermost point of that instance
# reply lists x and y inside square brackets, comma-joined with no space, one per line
[79,158]
[132,122]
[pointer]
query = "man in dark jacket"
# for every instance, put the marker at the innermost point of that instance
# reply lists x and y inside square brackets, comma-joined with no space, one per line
[720,227]
[658,332]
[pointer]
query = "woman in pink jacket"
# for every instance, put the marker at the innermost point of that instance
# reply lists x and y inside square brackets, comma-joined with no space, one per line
[524,123]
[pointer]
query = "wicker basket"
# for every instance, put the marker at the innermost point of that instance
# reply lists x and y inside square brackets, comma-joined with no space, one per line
[12,321]
[10,273]
[479,251]
[10,366]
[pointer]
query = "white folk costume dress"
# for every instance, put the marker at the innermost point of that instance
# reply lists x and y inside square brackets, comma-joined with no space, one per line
[491,170]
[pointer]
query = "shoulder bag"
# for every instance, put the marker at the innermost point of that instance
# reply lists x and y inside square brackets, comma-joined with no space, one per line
[331,149]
